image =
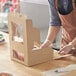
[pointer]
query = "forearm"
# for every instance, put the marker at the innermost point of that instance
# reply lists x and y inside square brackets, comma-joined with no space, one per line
[52,33]
[74,42]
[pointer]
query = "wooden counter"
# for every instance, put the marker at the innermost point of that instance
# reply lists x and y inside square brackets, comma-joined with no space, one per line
[16,69]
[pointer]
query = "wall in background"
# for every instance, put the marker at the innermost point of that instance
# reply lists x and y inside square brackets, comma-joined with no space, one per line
[37,1]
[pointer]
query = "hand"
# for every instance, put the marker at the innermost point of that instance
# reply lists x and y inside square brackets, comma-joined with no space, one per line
[46,44]
[65,50]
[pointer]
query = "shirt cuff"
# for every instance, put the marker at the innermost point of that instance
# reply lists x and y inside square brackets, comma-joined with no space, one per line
[55,23]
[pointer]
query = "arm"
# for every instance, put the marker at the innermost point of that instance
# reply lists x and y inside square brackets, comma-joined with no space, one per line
[66,49]
[74,42]
[54,25]
[52,33]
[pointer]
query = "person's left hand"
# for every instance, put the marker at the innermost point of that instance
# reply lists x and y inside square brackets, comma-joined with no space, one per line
[65,50]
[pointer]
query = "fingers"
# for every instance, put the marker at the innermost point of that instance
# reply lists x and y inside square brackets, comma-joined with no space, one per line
[62,52]
[65,50]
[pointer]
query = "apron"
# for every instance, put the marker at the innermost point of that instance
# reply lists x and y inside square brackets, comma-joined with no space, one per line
[69,26]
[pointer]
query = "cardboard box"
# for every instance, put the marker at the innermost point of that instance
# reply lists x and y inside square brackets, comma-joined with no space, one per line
[24,52]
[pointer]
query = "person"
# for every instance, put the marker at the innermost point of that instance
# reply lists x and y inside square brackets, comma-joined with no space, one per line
[6,7]
[11,9]
[62,13]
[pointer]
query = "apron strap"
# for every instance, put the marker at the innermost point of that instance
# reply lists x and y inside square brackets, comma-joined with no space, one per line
[56,4]
[74,4]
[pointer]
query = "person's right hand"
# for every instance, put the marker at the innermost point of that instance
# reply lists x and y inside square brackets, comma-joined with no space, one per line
[46,44]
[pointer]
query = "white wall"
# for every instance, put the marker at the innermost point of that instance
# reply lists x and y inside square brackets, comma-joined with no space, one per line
[39,13]
[37,1]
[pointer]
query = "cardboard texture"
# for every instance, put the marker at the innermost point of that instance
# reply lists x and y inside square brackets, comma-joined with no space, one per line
[30,53]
